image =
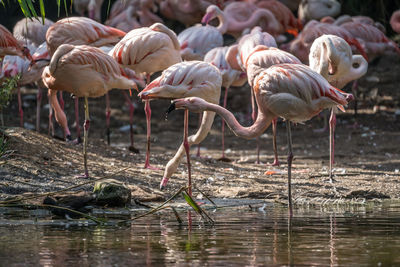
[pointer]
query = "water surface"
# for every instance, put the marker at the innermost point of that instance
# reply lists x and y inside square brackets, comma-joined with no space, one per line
[361,235]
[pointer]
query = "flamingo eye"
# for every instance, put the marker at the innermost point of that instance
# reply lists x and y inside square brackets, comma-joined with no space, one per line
[356,65]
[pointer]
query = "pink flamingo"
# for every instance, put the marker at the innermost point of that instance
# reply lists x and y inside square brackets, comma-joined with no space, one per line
[148,50]
[317,9]
[80,31]
[238,56]
[29,73]
[374,41]
[197,40]
[146,16]
[301,45]
[32,31]
[291,91]
[92,7]
[230,77]
[190,78]
[395,21]
[238,16]
[84,71]
[9,45]
[331,57]
[288,22]
[120,6]
[126,20]
[188,12]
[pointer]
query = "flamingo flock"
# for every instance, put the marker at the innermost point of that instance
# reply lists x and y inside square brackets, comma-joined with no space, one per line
[295,66]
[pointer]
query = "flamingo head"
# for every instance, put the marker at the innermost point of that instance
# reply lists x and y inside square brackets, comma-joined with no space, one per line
[193,104]
[211,13]
[27,53]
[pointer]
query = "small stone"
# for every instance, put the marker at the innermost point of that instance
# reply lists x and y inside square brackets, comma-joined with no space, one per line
[112,193]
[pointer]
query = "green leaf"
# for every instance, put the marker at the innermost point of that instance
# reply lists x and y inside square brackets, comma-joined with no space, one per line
[24,8]
[66,8]
[58,5]
[191,202]
[42,13]
[31,7]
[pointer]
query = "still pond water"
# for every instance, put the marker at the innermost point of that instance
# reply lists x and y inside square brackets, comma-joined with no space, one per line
[350,236]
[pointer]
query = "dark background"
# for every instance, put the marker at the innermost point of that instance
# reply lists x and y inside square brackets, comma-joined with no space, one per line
[379,10]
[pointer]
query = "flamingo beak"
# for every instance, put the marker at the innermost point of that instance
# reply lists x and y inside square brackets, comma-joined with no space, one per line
[206,19]
[163,183]
[171,108]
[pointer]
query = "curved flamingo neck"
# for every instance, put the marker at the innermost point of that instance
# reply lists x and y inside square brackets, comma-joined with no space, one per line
[223,23]
[260,125]
[235,25]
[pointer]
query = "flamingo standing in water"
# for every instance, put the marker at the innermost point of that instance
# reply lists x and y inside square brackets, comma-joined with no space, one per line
[190,78]
[148,50]
[230,77]
[291,91]
[84,71]
[79,31]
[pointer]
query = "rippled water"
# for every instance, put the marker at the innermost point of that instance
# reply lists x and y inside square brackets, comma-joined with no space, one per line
[352,236]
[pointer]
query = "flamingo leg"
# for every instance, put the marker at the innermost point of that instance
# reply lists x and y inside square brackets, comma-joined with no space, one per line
[131,111]
[85,137]
[147,110]
[254,117]
[223,158]
[108,115]
[51,125]
[61,99]
[39,96]
[276,160]
[199,145]
[289,161]
[187,149]
[332,126]
[78,129]
[21,112]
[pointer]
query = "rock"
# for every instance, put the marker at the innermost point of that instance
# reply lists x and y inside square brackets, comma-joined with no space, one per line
[111,192]
[75,201]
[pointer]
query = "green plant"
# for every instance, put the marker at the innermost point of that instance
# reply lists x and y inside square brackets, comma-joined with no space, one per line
[6,87]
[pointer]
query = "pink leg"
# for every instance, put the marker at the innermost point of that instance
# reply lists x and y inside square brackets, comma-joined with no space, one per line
[21,112]
[223,158]
[276,160]
[289,161]
[62,103]
[78,128]
[85,137]
[147,110]
[131,111]
[187,150]
[332,124]
[199,145]
[39,96]
[59,114]
[108,115]
[51,125]
[254,117]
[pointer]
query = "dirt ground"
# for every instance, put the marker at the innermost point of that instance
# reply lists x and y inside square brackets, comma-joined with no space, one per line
[367,156]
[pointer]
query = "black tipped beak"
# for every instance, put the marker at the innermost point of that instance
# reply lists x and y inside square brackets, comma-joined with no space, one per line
[203,24]
[171,108]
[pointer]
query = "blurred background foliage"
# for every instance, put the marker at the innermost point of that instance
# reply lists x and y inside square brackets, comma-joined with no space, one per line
[13,10]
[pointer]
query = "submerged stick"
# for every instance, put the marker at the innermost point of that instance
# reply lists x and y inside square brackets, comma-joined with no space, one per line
[156,208]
